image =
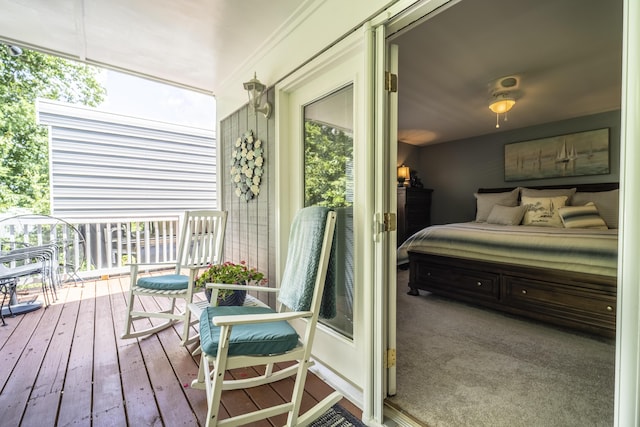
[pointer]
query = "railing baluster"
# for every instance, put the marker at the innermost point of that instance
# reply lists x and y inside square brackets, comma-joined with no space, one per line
[148,239]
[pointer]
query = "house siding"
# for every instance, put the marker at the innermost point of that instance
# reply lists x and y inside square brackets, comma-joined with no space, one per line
[251,225]
[110,165]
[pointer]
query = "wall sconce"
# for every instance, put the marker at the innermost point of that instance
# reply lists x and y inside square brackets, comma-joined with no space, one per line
[403,176]
[255,89]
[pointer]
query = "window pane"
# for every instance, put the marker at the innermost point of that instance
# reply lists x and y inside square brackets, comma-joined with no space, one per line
[328,181]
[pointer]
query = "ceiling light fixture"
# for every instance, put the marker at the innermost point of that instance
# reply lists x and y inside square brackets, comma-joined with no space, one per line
[501,103]
[255,89]
[14,50]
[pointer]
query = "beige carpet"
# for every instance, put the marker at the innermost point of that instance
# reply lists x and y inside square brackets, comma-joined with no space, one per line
[459,365]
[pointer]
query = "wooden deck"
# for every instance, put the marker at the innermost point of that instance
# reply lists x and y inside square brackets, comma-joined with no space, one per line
[66,365]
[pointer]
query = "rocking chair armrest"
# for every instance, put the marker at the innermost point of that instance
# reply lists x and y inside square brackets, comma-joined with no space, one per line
[240,287]
[194,270]
[258,318]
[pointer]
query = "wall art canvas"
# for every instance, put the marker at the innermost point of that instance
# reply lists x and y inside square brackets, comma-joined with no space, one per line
[575,154]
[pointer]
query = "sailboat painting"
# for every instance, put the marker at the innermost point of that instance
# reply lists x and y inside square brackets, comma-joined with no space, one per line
[576,154]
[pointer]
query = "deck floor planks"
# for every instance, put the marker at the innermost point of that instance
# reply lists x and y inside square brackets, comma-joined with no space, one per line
[237,402]
[13,344]
[28,365]
[108,408]
[168,390]
[75,405]
[145,381]
[13,341]
[45,396]
[16,343]
[284,389]
[182,362]
[263,396]
[140,404]
[7,329]
[168,340]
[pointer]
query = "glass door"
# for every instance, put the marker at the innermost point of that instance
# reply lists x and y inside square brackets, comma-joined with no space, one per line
[324,159]
[328,181]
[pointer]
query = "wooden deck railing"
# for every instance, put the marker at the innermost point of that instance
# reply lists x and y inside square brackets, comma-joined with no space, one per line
[95,247]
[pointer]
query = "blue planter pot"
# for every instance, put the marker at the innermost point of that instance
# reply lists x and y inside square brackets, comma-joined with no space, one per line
[237,297]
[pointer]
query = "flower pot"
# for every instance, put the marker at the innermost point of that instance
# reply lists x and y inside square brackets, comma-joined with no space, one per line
[237,297]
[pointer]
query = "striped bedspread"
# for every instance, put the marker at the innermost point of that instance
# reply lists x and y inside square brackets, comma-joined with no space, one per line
[583,250]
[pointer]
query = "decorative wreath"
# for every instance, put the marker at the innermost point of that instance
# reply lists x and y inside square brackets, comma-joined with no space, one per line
[246,166]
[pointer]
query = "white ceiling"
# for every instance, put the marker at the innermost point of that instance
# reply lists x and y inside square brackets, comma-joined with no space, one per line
[196,43]
[566,53]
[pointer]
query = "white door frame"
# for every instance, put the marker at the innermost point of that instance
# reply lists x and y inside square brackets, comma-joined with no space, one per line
[392,275]
[627,396]
[342,64]
[627,393]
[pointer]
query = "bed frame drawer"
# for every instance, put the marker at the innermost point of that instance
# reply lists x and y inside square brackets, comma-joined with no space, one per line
[568,303]
[458,281]
[579,301]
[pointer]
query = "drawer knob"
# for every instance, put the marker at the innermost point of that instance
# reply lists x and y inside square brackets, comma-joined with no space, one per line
[479,283]
[609,308]
[524,291]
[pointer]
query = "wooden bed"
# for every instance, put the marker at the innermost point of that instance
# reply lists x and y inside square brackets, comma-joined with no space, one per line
[574,299]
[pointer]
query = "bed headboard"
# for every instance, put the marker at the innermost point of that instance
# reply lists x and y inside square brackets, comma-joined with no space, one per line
[594,187]
[601,194]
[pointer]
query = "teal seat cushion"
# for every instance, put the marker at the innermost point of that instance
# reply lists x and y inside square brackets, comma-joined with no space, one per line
[168,282]
[261,338]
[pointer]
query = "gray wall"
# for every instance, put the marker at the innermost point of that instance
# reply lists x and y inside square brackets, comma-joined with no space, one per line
[455,170]
[250,232]
[408,155]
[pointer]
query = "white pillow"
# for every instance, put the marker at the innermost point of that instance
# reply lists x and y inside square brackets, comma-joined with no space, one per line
[506,215]
[486,201]
[543,211]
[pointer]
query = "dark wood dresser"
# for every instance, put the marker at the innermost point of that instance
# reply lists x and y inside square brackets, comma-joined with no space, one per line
[414,211]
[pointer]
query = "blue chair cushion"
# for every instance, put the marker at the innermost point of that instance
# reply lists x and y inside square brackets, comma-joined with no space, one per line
[255,339]
[168,282]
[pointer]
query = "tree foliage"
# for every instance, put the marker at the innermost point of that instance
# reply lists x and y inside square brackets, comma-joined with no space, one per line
[328,163]
[24,147]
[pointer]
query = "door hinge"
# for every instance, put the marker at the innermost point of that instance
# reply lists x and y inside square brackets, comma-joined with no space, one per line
[390,82]
[391,358]
[390,222]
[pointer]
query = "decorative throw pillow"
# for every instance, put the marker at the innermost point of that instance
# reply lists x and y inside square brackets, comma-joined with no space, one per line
[506,215]
[606,202]
[543,211]
[486,201]
[582,217]
[550,192]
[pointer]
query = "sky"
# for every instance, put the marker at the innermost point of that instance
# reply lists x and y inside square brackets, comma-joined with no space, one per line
[148,99]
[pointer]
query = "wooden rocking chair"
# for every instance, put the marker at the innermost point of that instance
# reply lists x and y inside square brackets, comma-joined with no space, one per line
[237,337]
[201,243]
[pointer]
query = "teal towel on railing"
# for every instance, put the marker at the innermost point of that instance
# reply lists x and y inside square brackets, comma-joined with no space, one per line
[298,279]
